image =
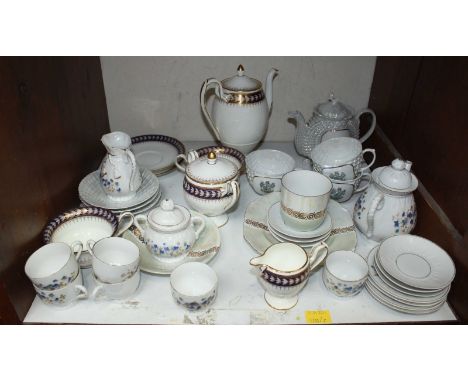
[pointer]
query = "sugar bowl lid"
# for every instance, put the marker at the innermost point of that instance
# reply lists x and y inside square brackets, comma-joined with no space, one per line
[211,169]
[169,217]
[334,109]
[396,177]
[241,82]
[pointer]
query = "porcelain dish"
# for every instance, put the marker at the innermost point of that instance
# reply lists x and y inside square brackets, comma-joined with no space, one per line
[157,153]
[342,237]
[205,248]
[91,192]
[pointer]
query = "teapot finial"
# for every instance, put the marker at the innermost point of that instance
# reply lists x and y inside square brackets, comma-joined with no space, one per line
[211,157]
[240,70]
[332,98]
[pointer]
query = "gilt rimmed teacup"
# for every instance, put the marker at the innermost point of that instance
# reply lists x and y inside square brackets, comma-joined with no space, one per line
[304,199]
[53,266]
[64,296]
[114,259]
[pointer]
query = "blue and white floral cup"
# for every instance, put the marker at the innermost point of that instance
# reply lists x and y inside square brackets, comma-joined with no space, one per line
[65,296]
[345,273]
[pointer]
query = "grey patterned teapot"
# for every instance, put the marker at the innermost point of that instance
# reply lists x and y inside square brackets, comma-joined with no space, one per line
[329,119]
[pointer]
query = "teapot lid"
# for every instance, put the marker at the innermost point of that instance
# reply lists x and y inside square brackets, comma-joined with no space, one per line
[211,169]
[169,217]
[396,177]
[241,82]
[334,109]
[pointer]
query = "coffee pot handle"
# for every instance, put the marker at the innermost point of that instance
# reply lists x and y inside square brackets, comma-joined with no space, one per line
[211,82]
[373,123]
[374,206]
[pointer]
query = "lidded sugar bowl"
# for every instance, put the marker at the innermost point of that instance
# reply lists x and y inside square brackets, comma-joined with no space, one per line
[241,109]
[329,120]
[387,207]
[211,185]
[170,231]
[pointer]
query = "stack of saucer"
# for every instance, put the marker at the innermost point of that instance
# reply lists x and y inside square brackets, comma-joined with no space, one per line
[147,197]
[286,234]
[410,274]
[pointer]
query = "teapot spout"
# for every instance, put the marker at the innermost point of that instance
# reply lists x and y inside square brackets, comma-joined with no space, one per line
[297,115]
[269,86]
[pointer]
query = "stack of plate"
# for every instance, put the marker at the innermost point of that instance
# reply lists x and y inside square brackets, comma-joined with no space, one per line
[410,274]
[146,198]
[286,234]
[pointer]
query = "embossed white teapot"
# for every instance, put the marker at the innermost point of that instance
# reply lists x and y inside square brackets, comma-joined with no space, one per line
[241,109]
[329,120]
[387,207]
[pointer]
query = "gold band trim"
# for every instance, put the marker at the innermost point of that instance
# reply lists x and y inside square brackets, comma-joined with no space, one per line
[256,224]
[303,215]
[336,231]
[245,98]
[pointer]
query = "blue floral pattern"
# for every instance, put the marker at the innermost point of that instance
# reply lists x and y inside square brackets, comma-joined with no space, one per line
[57,284]
[267,186]
[51,298]
[337,175]
[343,289]
[359,207]
[110,184]
[168,250]
[405,222]
[337,193]
[195,305]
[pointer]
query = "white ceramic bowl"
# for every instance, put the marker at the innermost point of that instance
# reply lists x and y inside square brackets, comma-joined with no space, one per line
[265,168]
[194,285]
[53,266]
[114,259]
[345,273]
[64,296]
[116,291]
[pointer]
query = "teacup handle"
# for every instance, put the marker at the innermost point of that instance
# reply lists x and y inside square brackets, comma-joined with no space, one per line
[78,244]
[318,254]
[368,176]
[373,158]
[138,225]
[121,228]
[201,225]
[83,292]
[90,245]
[372,127]
[96,292]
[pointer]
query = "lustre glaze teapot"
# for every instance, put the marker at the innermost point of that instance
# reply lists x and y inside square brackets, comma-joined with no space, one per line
[241,109]
[387,207]
[170,231]
[329,119]
[119,173]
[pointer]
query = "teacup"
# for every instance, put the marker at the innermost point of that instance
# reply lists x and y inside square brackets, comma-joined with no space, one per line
[304,199]
[343,189]
[64,296]
[340,158]
[265,168]
[115,291]
[285,269]
[194,285]
[345,273]
[114,259]
[53,266]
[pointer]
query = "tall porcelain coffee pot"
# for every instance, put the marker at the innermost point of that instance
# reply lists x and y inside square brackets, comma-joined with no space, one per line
[387,207]
[241,109]
[119,173]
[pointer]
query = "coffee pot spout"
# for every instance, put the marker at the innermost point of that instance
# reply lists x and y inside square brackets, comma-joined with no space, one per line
[269,86]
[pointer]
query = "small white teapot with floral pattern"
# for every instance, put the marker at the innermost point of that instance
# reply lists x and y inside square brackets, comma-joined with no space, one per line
[387,207]
[170,231]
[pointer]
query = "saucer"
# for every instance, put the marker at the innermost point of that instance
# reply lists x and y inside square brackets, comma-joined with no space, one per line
[204,250]
[91,192]
[276,221]
[157,153]
[257,234]
[301,242]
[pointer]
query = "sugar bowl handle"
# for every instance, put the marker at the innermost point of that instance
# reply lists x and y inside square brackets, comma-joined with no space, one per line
[373,123]
[234,185]
[377,202]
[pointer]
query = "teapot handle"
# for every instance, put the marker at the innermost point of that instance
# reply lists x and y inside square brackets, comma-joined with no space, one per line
[235,193]
[371,128]
[210,82]
[379,198]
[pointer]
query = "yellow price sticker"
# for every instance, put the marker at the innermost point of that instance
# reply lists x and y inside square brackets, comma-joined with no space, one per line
[318,317]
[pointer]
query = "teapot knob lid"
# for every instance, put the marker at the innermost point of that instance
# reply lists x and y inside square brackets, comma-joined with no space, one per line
[332,98]
[240,70]
[167,205]
[399,165]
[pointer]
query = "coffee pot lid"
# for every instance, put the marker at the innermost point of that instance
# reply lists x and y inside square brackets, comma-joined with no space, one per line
[169,216]
[241,82]
[397,176]
[211,169]
[334,109]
